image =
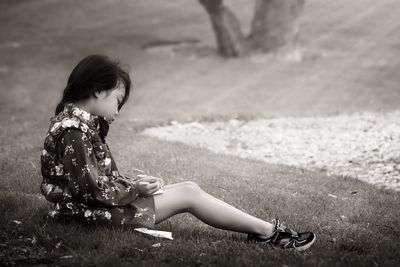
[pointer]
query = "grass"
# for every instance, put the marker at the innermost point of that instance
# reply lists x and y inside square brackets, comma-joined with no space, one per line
[345,225]
[358,228]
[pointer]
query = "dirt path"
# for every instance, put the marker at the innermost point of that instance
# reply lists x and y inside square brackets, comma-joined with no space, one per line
[363,146]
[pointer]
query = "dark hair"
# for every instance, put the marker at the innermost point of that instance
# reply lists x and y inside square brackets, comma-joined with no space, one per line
[94,73]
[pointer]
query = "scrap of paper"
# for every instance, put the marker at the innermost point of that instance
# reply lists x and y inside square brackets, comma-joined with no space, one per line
[156,233]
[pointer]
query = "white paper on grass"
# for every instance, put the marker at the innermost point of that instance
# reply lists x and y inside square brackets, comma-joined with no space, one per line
[156,233]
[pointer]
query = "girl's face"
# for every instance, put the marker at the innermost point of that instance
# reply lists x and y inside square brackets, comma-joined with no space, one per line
[107,102]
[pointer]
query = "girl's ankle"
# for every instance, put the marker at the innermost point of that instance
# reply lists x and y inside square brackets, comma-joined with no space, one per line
[267,230]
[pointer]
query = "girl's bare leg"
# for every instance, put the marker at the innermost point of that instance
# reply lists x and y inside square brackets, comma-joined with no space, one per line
[189,197]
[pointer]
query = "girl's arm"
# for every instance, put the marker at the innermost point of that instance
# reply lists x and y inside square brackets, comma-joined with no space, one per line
[81,169]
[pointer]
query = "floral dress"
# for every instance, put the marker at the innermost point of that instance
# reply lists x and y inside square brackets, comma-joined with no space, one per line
[81,178]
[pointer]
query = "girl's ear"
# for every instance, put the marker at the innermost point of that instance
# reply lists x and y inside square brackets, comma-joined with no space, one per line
[100,94]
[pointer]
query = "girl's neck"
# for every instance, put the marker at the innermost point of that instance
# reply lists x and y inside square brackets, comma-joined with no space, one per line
[84,105]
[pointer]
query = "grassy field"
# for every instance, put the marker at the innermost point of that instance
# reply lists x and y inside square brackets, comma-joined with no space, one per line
[351,63]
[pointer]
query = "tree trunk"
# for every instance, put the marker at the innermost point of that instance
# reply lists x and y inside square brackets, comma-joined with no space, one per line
[275,24]
[230,39]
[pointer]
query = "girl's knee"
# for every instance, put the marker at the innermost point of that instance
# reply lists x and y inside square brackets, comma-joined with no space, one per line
[191,187]
[192,194]
[183,196]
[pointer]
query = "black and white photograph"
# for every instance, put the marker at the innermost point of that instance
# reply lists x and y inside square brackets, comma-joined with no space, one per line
[199,133]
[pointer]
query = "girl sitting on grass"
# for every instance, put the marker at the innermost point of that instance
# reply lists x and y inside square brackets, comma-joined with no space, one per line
[82,180]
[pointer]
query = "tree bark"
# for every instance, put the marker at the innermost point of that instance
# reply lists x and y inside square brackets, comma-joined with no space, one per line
[275,24]
[230,39]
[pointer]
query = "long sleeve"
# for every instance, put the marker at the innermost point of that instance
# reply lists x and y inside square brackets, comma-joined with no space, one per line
[81,169]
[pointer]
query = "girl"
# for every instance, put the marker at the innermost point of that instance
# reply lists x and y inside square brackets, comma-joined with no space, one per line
[82,180]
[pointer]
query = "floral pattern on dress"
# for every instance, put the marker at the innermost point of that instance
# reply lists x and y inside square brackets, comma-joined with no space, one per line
[81,178]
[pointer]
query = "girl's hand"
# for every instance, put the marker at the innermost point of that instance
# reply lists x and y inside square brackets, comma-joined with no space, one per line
[150,179]
[148,185]
[146,188]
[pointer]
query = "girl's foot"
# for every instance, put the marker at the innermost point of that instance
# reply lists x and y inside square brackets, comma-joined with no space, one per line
[285,237]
